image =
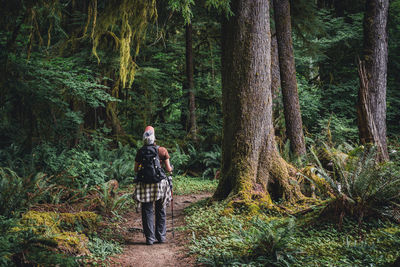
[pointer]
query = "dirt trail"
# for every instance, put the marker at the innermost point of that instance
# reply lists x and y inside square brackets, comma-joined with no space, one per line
[171,253]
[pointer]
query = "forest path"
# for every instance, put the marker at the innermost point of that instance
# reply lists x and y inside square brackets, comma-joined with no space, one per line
[171,253]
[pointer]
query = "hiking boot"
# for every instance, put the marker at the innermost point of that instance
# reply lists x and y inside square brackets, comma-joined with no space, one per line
[149,242]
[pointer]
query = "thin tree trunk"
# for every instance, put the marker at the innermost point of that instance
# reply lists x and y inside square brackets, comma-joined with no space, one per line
[294,124]
[373,74]
[190,82]
[249,157]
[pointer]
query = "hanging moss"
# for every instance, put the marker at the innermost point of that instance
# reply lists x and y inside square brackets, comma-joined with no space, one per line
[126,22]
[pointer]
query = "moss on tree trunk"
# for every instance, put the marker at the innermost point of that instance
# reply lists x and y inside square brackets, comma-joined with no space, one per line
[250,161]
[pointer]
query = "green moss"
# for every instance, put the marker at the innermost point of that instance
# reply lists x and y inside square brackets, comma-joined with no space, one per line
[65,229]
[72,243]
[322,185]
[81,221]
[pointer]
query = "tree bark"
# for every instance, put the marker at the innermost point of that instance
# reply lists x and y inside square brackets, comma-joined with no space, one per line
[190,82]
[294,124]
[275,71]
[371,106]
[250,161]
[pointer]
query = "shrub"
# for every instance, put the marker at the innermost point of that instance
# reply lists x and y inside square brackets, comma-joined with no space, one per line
[362,187]
[19,193]
[22,247]
[184,185]
[179,159]
[212,161]
[107,200]
[220,240]
[102,249]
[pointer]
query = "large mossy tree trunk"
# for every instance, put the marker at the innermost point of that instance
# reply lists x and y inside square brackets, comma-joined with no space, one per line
[250,161]
[373,77]
[190,82]
[294,124]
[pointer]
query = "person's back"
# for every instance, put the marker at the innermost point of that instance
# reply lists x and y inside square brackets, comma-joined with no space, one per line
[149,170]
[152,186]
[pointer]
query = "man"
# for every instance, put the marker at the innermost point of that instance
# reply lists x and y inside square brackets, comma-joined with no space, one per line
[153,187]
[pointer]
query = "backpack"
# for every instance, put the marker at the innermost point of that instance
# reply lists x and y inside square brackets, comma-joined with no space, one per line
[150,170]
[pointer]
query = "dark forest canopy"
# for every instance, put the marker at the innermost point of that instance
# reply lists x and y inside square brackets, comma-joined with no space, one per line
[293,105]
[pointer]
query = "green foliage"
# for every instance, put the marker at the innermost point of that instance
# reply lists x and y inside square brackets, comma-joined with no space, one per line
[51,90]
[212,162]
[102,249]
[267,242]
[393,115]
[209,162]
[220,240]
[179,160]
[374,244]
[237,240]
[326,66]
[185,7]
[19,193]
[337,130]
[310,103]
[362,186]
[185,185]
[90,163]
[109,202]
[25,246]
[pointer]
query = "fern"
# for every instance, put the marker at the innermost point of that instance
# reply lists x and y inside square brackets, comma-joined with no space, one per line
[108,201]
[19,193]
[361,185]
[212,162]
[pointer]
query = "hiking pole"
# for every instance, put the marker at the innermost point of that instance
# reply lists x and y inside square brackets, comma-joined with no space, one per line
[172,205]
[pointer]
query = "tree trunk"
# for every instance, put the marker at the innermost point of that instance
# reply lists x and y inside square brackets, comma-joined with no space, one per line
[294,124]
[275,71]
[250,161]
[373,72]
[190,82]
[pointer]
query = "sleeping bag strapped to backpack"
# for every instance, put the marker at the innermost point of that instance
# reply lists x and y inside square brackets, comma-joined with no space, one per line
[150,170]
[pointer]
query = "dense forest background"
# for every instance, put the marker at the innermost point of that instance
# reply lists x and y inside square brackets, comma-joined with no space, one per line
[56,92]
[80,80]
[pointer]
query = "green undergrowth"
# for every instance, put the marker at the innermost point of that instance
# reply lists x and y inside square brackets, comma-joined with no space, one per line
[184,185]
[240,240]
[57,239]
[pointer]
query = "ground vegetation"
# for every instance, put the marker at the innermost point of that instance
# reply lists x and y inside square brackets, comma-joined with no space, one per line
[79,81]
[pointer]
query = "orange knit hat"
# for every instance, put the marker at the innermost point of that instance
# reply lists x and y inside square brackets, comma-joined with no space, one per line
[149,129]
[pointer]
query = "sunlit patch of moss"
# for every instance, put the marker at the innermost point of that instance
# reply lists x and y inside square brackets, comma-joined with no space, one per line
[64,229]
[72,243]
[322,185]
[41,222]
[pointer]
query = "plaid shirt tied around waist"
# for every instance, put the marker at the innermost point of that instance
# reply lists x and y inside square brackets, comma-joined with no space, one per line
[153,192]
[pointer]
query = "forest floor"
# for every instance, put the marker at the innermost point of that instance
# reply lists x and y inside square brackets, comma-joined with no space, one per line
[172,253]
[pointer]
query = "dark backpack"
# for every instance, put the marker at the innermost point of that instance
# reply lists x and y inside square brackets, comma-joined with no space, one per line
[150,170]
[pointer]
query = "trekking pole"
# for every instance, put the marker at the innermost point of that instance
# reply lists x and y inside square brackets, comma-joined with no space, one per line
[172,205]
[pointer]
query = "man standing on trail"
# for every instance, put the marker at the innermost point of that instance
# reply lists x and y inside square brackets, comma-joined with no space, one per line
[153,186]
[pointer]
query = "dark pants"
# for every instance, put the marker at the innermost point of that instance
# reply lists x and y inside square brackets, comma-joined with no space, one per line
[148,221]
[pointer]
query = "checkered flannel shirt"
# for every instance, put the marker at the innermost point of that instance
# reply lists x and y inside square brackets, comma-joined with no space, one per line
[153,192]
